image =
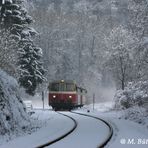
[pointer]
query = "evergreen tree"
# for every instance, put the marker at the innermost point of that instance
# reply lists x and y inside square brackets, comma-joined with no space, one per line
[31,69]
[8,44]
[8,57]
[14,17]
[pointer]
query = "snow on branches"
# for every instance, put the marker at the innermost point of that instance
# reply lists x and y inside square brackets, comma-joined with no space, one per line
[14,18]
[120,45]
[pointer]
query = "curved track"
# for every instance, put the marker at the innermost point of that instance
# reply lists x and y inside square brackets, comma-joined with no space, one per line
[104,143]
[108,138]
[63,136]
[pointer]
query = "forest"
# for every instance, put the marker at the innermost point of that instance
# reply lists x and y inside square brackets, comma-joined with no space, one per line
[101,44]
[86,41]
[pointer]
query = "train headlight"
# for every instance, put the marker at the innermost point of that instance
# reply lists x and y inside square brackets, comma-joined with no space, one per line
[70,96]
[62,80]
[54,96]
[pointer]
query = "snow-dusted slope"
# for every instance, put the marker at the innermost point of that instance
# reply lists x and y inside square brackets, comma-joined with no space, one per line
[56,126]
[13,117]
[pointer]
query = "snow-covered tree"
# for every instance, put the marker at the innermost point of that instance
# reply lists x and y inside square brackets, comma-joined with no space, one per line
[138,12]
[8,42]
[8,57]
[31,69]
[120,47]
[138,20]
[14,17]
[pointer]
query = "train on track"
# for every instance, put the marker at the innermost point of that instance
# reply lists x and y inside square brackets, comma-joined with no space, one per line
[66,95]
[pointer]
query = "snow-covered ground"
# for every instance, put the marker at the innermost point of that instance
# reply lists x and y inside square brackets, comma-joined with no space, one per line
[56,126]
[89,133]
[126,133]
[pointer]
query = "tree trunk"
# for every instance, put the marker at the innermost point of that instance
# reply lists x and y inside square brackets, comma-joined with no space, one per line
[123,85]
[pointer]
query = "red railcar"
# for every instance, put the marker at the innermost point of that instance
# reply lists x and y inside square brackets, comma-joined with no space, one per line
[65,95]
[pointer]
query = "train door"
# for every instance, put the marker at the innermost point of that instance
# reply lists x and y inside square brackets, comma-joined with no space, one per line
[81,96]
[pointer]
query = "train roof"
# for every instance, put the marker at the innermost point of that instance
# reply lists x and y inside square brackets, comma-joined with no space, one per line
[59,81]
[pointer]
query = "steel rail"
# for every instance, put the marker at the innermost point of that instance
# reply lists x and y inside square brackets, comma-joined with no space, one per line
[102,145]
[62,136]
[108,138]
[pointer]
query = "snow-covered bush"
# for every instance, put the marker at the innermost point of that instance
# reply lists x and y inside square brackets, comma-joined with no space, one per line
[137,114]
[134,101]
[135,94]
[13,117]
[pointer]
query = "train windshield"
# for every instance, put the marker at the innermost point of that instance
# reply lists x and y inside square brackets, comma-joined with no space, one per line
[54,87]
[62,87]
[70,87]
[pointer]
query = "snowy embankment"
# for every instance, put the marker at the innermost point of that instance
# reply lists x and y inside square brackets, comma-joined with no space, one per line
[133,102]
[13,119]
[56,125]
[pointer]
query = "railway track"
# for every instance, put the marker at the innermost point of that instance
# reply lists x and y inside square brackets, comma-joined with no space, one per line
[103,144]
[110,134]
[63,136]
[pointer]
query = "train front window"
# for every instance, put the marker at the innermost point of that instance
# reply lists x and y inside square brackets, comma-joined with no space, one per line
[67,87]
[54,87]
[70,87]
[62,87]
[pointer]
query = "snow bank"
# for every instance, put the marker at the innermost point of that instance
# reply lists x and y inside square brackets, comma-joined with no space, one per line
[54,125]
[137,114]
[13,117]
[134,102]
[134,94]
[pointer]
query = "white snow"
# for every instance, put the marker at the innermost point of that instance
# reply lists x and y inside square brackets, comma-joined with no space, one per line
[124,130]
[13,118]
[89,134]
[54,125]
[57,125]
